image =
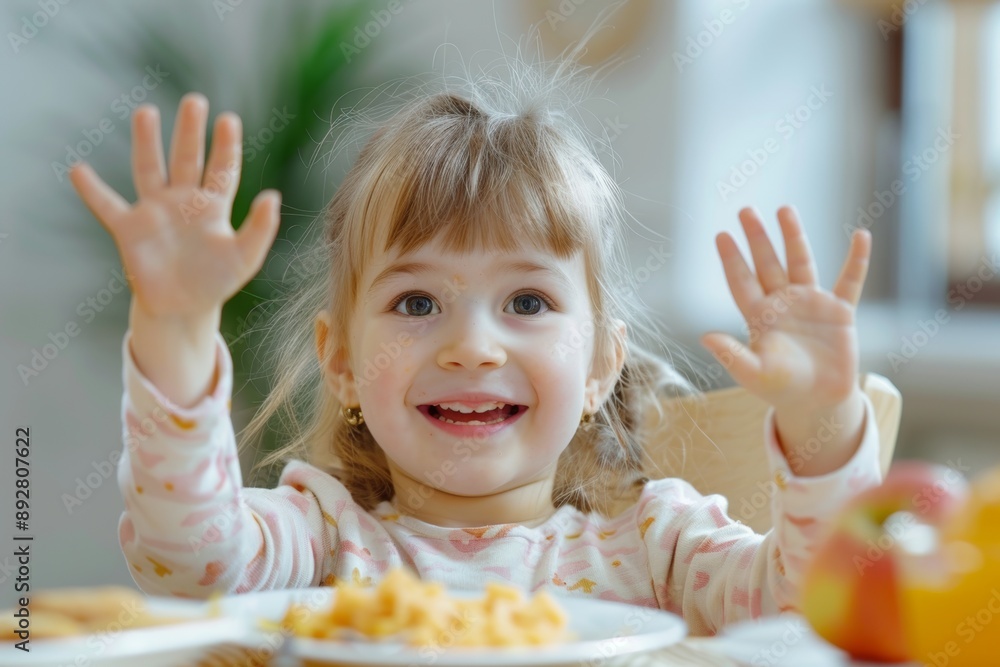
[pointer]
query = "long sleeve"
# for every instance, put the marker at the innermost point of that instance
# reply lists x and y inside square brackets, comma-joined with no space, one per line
[718,571]
[802,508]
[189,528]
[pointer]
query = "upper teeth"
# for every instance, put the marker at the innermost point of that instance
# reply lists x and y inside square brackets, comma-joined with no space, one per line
[482,407]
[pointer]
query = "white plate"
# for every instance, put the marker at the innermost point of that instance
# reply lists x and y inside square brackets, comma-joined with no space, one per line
[604,630]
[158,646]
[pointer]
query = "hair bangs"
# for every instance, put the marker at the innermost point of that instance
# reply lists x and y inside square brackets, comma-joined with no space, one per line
[481,187]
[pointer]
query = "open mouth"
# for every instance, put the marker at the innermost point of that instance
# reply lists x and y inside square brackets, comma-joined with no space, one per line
[495,416]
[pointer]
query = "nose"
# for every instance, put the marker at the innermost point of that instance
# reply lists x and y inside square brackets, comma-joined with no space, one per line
[471,341]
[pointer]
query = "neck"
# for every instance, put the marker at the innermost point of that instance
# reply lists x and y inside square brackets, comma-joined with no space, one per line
[528,505]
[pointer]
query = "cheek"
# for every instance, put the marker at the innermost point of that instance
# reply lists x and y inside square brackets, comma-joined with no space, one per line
[559,366]
[572,348]
[384,362]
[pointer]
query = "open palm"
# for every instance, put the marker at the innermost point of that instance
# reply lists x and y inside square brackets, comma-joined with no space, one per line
[803,348]
[181,255]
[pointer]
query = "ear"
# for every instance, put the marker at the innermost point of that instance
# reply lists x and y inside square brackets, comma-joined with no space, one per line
[334,363]
[607,370]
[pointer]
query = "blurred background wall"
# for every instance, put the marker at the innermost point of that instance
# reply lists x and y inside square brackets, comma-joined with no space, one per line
[874,114]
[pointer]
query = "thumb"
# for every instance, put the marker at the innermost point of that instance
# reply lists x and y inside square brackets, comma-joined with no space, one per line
[256,234]
[738,360]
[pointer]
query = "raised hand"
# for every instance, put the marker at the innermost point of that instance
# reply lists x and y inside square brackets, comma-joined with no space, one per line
[181,255]
[803,349]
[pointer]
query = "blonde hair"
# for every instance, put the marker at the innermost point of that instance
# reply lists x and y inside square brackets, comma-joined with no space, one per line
[488,165]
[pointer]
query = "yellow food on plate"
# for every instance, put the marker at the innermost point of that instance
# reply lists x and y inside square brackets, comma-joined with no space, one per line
[420,613]
[68,612]
[44,625]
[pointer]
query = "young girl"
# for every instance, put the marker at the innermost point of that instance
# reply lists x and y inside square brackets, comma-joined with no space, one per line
[458,375]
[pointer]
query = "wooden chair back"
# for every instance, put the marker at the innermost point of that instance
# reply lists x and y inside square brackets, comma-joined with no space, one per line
[716,443]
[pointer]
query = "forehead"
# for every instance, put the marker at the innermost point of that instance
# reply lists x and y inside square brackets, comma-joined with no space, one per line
[433,258]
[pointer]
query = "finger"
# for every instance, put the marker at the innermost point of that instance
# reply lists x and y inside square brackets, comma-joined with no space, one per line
[107,205]
[742,282]
[256,234]
[148,170]
[187,147]
[852,276]
[738,360]
[769,271]
[222,173]
[801,267]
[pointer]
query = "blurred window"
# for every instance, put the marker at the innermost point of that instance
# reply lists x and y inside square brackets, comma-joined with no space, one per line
[991,128]
[974,220]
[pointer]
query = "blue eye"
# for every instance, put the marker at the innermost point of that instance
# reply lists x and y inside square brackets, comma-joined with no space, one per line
[529,301]
[420,305]
[423,304]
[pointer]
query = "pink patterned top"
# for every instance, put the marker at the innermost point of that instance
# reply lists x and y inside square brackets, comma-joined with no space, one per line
[190,528]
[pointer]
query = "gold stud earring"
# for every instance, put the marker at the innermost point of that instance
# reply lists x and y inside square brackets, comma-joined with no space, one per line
[353,416]
[586,419]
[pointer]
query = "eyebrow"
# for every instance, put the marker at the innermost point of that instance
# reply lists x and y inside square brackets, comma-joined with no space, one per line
[423,268]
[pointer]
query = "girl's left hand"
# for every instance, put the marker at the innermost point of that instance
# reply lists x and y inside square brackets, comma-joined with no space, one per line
[803,350]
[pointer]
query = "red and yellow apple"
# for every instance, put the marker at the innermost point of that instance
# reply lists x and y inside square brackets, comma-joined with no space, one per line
[852,590]
[952,597]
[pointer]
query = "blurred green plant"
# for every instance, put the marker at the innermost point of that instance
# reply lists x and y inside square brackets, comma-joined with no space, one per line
[312,79]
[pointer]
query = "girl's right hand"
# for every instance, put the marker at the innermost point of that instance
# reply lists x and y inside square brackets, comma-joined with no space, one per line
[181,255]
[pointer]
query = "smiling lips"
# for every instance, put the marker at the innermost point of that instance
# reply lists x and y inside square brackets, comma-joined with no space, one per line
[469,416]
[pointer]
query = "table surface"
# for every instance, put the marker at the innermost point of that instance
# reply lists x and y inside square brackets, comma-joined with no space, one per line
[777,641]
[785,640]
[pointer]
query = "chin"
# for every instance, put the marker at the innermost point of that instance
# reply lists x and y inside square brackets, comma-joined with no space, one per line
[487,481]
